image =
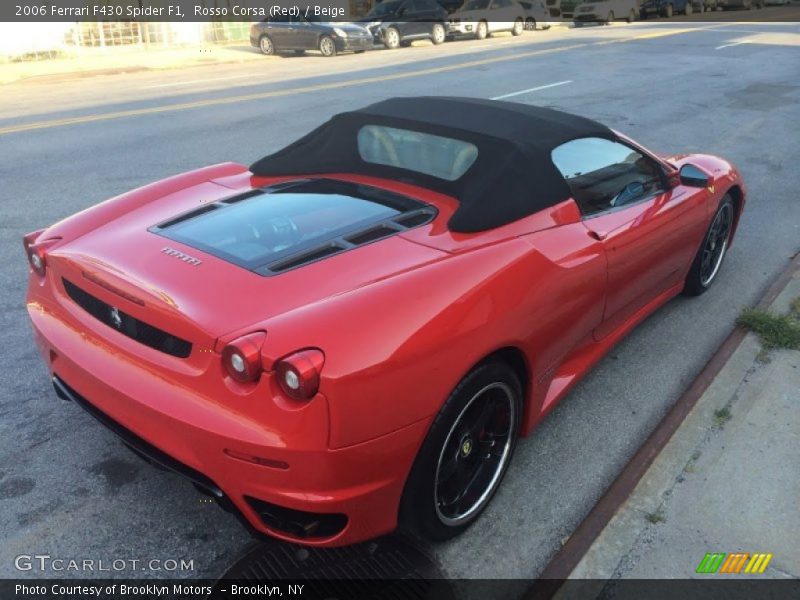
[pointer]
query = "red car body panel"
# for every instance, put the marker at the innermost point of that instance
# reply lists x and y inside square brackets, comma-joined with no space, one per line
[400,320]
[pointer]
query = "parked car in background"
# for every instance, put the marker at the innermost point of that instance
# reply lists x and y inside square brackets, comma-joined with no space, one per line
[665,8]
[741,4]
[605,11]
[536,13]
[566,8]
[777,2]
[481,18]
[297,34]
[451,5]
[705,5]
[395,23]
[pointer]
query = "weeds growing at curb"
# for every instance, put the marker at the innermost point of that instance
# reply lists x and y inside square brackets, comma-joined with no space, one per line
[775,331]
[655,517]
[722,416]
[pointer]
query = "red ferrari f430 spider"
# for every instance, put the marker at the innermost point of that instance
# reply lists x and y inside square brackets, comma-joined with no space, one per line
[352,333]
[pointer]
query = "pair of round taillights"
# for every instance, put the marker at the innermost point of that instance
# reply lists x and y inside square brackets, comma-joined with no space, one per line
[297,374]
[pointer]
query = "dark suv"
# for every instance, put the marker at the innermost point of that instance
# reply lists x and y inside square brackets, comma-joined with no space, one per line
[398,22]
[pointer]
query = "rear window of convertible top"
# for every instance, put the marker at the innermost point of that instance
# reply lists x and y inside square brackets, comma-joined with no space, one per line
[265,226]
[441,157]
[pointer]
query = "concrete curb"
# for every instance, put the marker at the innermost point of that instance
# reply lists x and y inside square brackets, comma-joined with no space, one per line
[610,528]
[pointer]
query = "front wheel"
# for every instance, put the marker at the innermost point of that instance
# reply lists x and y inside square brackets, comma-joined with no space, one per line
[465,454]
[518,28]
[327,46]
[708,260]
[438,34]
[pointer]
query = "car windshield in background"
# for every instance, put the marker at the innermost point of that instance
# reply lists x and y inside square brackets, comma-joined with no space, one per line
[441,157]
[261,228]
[384,8]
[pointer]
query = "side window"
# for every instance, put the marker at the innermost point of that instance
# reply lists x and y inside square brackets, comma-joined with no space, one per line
[603,174]
[501,3]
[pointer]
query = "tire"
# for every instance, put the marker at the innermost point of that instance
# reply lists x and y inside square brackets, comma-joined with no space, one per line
[438,34]
[266,46]
[530,24]
[631,16]
[708,260]
[327,46]
[687,10]
[482,31]
[488,398]
[391,38]
[518,28]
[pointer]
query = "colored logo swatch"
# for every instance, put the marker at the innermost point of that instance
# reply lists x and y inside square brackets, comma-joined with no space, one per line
[714,562]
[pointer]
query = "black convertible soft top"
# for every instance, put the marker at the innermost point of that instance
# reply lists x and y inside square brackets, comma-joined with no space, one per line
[513,175]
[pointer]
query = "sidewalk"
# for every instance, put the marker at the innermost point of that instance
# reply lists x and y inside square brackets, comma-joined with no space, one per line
[728,481]
[103,61]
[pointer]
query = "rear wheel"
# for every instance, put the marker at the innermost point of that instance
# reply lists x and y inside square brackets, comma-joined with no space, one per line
[465,454]
[327,46]
[482,31]
[391,39]
[438,34]
[709,257]
[265,45]
[518,28]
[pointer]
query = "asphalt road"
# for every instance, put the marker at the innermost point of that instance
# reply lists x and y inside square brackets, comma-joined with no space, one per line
[68,488]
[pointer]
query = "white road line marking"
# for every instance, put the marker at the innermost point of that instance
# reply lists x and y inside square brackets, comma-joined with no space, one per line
[729,45]
[535,89]
[177,83]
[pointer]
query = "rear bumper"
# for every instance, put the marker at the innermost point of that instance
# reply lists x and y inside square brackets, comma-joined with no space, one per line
[187,431]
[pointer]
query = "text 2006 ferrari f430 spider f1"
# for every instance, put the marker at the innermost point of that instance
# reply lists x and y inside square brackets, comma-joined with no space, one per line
[353,332]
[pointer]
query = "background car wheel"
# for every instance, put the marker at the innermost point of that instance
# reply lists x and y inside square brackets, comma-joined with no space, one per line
[518,28]
[327,46]
[391,38]
[530,24]
[465,454]
[712,251]
[265,45]
[631,16]
[438,34]
[482,31]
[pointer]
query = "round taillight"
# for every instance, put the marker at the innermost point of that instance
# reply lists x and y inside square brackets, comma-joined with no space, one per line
[298,374]
[37,251]
[242,357]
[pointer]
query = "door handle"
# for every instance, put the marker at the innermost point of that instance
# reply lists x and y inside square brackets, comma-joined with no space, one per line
[598,235]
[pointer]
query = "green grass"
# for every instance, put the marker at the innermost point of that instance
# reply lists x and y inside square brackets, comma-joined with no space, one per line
[655,517]
[775,331]
[722,416]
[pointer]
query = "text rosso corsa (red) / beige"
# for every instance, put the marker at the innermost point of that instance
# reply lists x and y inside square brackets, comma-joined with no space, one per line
[267,11]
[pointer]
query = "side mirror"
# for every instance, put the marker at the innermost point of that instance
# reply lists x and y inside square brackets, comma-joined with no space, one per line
[694,177]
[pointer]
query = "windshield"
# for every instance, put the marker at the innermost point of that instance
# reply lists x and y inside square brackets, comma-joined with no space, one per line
[384,8]
[476,5]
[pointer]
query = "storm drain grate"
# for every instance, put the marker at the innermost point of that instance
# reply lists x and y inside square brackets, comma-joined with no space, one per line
[390,568]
